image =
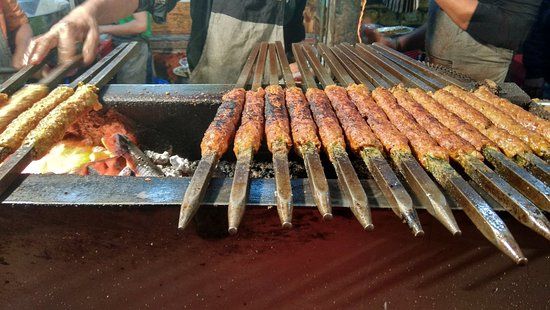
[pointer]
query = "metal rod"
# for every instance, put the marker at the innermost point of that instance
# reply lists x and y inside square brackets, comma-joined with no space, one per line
[517,205]
[285,67]
[335,67]
[479,212]
[405,77]
[19,79]
[260,65]
[239,191]
[366,61]
[111,69]
[322,75]
[429,78]
[420,66]
[273,65]
[57,74]
[538,167]
[524,182]
[247,69]
[312,161]
[11,168]
[98,66]
[354,71]
[307,76]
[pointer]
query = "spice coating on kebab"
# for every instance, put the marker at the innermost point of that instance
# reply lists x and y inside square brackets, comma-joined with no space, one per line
[451,120]
[329,128]
[525,118]
[52,128]
[424,146]
[536,142]
[21,101]
[221,130]
[277,126]
[509,144]
[18,129]
[3,99]
[394,141]
[250,132]
[304,130]
[455,145]
[358,133]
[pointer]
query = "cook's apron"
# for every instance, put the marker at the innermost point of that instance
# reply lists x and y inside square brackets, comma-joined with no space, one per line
[231,35]
[5,57]
[448,45]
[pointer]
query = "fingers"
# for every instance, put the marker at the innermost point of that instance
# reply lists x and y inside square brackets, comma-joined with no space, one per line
[91,42]
[39,48]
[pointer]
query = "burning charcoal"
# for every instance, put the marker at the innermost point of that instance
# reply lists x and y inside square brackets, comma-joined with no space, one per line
[182,164]
[126,172]
[171,172]
[157,158]
[297,170]
[226,169]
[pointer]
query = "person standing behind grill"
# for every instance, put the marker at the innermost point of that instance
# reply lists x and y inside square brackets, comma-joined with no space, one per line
[536,55]
[222,35]
[136,27]
[15,36]
[474,37]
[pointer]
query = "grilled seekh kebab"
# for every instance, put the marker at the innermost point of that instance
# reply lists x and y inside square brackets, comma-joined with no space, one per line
[435,159]
[17,130]
[525,118]
[334,143]
[26,97]
[363,141]
[524,182]
[510,144]
[52,128]
[215,143]
[279,141]
[536,142]
[304,136]
[395,143]
[470,159]
[3,99]
[247,141]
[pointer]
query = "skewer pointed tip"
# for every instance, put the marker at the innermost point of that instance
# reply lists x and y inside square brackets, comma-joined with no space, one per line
[185,218]
[327,217]
[287,225]
[522,261]
[456,233]
[369,227]
[232,231]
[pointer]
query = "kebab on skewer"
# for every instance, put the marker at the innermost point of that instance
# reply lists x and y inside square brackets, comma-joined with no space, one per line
[525,118]
[530,186]
[470,159]
[511,145]
[3,99]
[279,140]
[247,142]
[215,142]
[12,137]
[363,142]
[52,128]
[535,141]
[334,143]
[395,143]
[304,137]
[435,159]
[26,97]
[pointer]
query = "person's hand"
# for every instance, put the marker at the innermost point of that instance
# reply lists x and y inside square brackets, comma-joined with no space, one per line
[295,72]
[371,36]
[17,61]
[78,26]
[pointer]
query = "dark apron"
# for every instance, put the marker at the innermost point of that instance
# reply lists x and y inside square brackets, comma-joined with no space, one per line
[448,45]
[5,58]
[233,30]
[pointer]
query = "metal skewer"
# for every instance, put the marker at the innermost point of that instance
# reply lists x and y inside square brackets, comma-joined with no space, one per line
[312,161]
[17,80]
[421,184]
[280,156]
[348,181]
[384,176]
[239,187]
[202,175]
[22,157]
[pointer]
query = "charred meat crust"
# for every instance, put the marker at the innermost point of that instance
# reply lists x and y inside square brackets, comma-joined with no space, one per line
[277,125]
[304,130]
[251,131]
[221,130]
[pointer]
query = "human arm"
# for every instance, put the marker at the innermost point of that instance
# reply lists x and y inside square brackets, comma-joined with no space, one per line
[460,11]
[81,25]
[19,30]
[134,27]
